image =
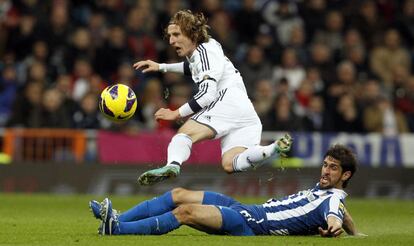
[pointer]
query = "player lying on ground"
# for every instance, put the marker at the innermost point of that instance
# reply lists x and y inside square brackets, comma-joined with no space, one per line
[317,210]
[220,109]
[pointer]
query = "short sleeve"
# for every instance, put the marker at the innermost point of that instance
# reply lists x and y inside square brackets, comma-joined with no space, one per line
[335,208]
[211,62]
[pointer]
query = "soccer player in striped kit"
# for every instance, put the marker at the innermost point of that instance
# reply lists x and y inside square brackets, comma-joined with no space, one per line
[320,209]
[220,109]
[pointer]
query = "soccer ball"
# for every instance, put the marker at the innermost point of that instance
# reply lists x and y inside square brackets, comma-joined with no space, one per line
[118,102]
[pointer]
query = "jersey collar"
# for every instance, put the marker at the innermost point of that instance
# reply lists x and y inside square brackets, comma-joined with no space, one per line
[339,192]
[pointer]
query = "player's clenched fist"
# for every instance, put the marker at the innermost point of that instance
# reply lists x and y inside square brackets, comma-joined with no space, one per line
[147,66]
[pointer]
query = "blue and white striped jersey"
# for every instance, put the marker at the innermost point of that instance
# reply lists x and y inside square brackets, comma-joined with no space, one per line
[298,214]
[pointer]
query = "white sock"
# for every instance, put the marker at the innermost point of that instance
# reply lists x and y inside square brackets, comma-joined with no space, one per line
[252,157]
[179,149]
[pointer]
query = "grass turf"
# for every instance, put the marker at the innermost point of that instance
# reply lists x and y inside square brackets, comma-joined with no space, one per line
[66,220]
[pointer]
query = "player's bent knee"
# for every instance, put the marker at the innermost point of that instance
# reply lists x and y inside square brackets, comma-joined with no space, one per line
[184,214]
[179,194]
[227,165]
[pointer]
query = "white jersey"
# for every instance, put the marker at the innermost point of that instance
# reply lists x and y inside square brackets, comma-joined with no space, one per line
[208,60]
[221,102]
[213,72]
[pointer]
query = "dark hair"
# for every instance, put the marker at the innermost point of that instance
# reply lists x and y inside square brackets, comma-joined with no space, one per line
[192,25]
[346,157]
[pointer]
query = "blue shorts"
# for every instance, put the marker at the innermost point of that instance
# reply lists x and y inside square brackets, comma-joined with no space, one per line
[233,222]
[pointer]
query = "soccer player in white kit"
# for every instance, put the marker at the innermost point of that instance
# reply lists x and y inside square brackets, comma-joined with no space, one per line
[220,109]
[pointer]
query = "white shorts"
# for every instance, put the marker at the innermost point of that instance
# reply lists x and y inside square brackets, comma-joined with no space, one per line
[233,119]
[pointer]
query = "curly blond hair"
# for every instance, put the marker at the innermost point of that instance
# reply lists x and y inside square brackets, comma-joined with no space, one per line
[192,25]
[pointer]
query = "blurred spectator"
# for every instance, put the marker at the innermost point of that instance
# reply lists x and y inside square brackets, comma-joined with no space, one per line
[263,97]
[56,32]
[320,57]
[303,96]
[209,7]
[254,68]
[39,54]
[386,57]
[316,117]
[313,75]
[88,115]
[346,81]
[352,38]
[357,55]
[140,42]
[7,20]
[53,113]
[400,76]
[26,110]
[270,45]
[369,93]
[180,93]
[332,34]
[297,41]
[82,74]
[38,73]
[149,101]
[126,75]
[113,11]
[404,101]
[247,20]
[354,51]
[169,8]
[367,20]
[21,38]
[222,31]
[347,117]
[281,116]
[313,13]
[80,47]
[405,21]
[97,28]
[381,117]
[112,53]
[289,69]
[282,88]
[8,89]
[282,15]
[64,85]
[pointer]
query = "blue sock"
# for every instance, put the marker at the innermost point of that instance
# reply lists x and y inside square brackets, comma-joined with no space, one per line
[214,198]
[158,205]
[156,225]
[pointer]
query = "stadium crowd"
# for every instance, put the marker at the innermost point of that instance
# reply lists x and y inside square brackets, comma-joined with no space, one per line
[317,65]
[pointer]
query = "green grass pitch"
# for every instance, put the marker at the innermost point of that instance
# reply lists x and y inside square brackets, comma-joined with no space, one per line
[66,220]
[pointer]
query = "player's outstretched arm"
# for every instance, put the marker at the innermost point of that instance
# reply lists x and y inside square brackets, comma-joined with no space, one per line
[334,228]
[166,114]
[147,66]
[152,66]
[349,225]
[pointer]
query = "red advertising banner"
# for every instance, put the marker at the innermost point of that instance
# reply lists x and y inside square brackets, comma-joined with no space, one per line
[150,147]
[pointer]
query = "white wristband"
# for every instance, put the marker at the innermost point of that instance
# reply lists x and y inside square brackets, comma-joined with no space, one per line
[172,67]
[163,67]
[185,110]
